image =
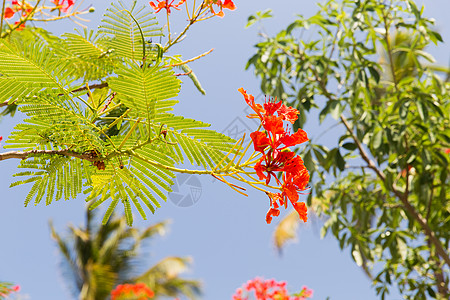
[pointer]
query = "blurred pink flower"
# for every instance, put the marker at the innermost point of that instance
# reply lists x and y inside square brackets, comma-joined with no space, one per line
[269,289]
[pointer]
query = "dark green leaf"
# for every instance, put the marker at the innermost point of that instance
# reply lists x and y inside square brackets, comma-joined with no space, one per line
[349,146]
[340,162]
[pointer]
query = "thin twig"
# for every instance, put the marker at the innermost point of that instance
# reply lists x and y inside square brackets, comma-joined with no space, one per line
[2,17]
[183,74]
[389,52]
[67,16]
[189,60]
[91,87]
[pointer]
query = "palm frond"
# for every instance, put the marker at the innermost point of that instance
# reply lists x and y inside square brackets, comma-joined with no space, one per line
[164,278]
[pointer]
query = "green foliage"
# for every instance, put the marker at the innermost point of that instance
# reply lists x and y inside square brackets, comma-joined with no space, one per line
[388,199]
[113,139]
[98,258]
[129,30]
[258,17]
[5,289]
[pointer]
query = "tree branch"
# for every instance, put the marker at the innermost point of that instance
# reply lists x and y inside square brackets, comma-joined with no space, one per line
[21,21]
[64,152]
[5,103]
[442,284]
[389,51]
[402,196]
[189,60]
[2,17]
[91,87]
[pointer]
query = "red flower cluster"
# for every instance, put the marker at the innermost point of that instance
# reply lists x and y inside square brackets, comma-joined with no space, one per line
[221,4]
[269,289]
[273,144]
[23,8]
[139,290]
[305,292]
[165,4]
[9,13]
[64,5]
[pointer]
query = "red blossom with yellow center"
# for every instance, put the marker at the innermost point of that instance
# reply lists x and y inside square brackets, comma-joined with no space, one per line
[273,145]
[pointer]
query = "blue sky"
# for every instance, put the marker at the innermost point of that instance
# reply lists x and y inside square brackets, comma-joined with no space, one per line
[224,232]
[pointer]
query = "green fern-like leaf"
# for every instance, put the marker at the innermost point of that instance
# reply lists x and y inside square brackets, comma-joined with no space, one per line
[88,55]
[139,182]
[121,143]
[53,177]
[130,29]
[139,88]
[55,122]
[34,65]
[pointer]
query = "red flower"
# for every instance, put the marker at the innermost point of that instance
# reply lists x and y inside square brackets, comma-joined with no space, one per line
[279,199]
[273,124]
[275,161]
[272,212]
[268,289]
[305,292]
[139,290]
[260,141]
[297,138]
[251,102]
[228,4]
[21,27]
[271,107]
[273,145]
[301,179]
[294,166]
[260,169]
[447,151]
[9,13]
[301,209]
[165,4]
[288,113]
[60,4]
[290,192]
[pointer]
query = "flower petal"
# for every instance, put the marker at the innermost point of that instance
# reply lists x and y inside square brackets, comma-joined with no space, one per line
[302,211]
